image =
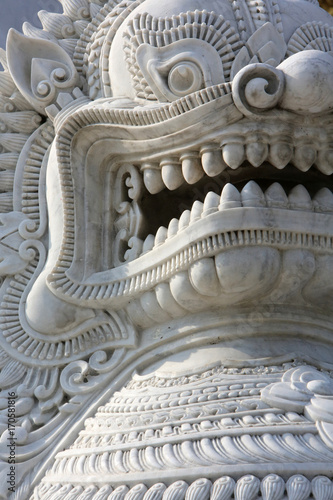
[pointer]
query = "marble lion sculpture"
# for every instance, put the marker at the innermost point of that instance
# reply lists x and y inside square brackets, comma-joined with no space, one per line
[166,245]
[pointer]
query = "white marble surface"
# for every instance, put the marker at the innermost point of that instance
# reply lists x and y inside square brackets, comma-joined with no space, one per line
[166,242]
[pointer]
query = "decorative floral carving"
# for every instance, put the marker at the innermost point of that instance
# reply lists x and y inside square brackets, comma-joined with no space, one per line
[303,389]
[265,46]
[178,490]
[272,487]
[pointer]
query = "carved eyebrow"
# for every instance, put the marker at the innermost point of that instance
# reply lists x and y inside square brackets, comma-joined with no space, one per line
[203,25]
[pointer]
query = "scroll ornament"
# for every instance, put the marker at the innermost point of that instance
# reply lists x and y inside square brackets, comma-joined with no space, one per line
[305,390]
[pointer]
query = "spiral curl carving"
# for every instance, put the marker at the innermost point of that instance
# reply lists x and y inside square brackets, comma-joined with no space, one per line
[257,88]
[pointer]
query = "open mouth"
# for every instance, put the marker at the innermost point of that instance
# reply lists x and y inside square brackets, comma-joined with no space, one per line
[160,209]
[223,240]
[176,184]
[181,203]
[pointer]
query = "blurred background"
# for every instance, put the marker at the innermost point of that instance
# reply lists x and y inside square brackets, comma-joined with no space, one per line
[327,5]
[15,12]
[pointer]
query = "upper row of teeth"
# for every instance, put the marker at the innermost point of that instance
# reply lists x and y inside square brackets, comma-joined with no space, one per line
[191,166]
[250,196]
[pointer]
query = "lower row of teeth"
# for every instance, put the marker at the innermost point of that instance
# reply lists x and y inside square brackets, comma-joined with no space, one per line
[250,196]
[191,166]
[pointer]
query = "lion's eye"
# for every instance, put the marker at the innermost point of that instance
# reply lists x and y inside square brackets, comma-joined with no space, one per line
[184,78]
[179,69]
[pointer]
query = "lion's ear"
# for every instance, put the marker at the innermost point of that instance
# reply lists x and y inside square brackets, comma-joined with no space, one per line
[40,69]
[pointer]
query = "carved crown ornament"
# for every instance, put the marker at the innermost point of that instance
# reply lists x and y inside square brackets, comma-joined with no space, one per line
[166,246]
